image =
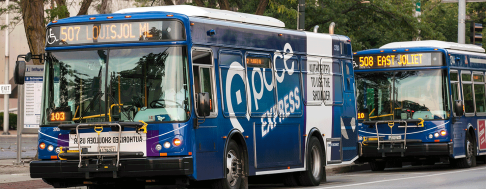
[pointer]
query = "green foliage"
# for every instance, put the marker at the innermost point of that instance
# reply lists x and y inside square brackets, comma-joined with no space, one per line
[57,12]
[12,119]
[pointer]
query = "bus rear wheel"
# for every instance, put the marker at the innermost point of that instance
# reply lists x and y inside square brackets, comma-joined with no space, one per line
[470,159]
[315,161]
[233,168]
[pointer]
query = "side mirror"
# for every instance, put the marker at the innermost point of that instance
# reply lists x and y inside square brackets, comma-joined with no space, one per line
[203,107]
[19,72]
[28,57]
[458,108]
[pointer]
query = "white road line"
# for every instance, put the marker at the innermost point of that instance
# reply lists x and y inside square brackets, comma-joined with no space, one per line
[422,176]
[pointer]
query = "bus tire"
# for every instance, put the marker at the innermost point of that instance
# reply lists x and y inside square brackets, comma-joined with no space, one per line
[377,165]
[470,159]
[290,179]
[233,168]
[316,171]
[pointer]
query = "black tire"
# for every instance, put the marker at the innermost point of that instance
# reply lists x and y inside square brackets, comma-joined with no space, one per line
[233,168]
[315,163]
[470,159]
[377,165]
[290,179]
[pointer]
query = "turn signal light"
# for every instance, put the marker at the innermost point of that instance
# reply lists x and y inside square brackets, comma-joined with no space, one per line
[177,142]
[42,146]
[443,133]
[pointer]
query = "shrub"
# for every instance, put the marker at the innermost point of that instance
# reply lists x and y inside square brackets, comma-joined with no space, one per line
[12,119]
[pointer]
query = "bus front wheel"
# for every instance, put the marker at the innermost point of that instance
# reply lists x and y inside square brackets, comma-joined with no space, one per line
[233,168]
[470,159]
[315,161]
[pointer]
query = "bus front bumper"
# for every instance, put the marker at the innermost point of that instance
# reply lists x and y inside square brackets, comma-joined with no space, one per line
[413,150]
[141,167]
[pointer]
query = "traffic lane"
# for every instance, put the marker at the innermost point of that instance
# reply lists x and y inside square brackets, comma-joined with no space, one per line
[8,147]
[435,176]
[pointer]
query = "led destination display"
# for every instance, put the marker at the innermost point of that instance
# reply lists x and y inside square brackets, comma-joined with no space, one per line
[398,60]
[115,32]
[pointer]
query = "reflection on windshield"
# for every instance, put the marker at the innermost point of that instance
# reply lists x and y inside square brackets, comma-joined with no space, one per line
[402,95]
[148,84]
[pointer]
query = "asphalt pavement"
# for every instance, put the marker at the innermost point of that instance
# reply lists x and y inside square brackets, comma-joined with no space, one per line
[8,145]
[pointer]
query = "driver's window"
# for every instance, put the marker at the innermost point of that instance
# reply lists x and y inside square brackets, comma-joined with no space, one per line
[203,76]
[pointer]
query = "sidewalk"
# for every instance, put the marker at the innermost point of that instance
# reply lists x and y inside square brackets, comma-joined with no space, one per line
[13,133]
[14,173]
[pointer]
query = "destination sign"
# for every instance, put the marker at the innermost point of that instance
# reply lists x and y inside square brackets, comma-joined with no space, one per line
[115,32]
[397,60]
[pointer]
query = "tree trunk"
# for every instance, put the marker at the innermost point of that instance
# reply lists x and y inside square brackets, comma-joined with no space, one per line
[35,30]
[261,7]
[62,3]
[199,3]
[168,2]
[223,4]
[103,8]
[84,7]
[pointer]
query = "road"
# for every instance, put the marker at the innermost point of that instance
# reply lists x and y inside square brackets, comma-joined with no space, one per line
[436,176]
[8,147]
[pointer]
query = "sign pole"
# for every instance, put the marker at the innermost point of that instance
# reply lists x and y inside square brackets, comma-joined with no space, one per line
[6,96]
[20,124]
[461,25]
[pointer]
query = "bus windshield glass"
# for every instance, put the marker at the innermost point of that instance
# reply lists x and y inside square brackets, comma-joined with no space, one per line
[117,85]
[402,95]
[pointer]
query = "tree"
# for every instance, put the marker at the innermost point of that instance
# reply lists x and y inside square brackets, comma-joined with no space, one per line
[35,23]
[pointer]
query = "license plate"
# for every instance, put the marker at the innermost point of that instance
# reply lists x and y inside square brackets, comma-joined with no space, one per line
[396,137]
[107,149]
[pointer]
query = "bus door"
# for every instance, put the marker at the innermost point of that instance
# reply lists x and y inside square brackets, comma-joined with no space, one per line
[204,81]
[331,75]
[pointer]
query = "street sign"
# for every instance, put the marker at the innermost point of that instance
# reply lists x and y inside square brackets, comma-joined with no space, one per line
[5,89]
[467,1]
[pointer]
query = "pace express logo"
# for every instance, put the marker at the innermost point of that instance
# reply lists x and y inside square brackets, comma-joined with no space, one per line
[286,105]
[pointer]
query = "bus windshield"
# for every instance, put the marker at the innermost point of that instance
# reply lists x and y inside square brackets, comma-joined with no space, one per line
[117,85]
[402,95]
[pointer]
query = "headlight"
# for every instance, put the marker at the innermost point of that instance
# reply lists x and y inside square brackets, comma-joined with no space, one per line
[436,135]
[42,145]
[443,133]
[177,142]
[166,144]
[50,148]
[158,147]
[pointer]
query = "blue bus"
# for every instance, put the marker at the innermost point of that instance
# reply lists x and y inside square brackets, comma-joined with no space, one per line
[178,94]
[421,102]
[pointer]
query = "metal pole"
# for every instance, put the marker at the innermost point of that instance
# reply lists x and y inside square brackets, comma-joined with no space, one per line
[6,96]
[301,15]
[20,124]
[461,26]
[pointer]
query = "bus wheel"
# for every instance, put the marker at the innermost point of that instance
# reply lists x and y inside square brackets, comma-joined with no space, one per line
[470,159]
[315,161]
[377,165]
[233,168]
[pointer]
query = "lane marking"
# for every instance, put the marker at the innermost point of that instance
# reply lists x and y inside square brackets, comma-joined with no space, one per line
[422,176]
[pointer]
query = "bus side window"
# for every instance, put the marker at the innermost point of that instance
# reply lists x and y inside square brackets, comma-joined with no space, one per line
[203,76]
[478,80]
[233,84]
[467,91]
[261,85]
[348,82]
[455,88]
[287,77]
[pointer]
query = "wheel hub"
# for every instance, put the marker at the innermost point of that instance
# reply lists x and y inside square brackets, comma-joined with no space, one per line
[233,168]
[315,162]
